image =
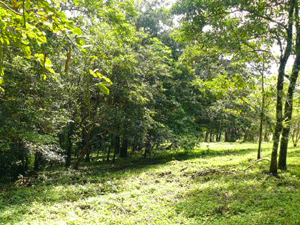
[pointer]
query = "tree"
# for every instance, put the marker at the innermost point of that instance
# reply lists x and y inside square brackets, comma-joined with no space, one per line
[295,128]
[290,93]
[29,83]
[239,28]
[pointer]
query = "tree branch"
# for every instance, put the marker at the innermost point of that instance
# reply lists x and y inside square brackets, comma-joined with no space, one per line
[256,161]
[10,9]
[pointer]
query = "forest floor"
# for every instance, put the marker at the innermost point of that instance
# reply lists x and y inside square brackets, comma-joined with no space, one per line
[218,183]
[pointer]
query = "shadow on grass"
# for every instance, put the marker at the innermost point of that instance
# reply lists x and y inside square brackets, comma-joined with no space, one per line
[137,163]
[294,153]
[239,198]
[58,185]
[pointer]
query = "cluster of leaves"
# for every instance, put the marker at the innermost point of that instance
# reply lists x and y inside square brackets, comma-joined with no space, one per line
[81,78]
[91,80]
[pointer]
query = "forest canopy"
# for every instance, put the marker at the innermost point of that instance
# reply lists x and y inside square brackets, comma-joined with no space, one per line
[84,80]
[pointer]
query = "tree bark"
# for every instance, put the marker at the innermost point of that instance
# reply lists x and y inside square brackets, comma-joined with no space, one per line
[262,109]
[289,101]
[69,144]
[84,150]
[124,148]
[280,82]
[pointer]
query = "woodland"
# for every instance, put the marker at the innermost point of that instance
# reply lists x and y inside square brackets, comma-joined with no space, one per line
[149,112]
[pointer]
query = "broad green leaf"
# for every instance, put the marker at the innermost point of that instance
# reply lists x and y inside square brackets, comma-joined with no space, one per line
[39,56]
[77,30]
[27,51]
[48,63]
[50,70]
[44,77]
[103,88]
[96,74]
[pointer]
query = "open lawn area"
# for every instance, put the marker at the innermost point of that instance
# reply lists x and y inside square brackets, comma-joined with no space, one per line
[218,183]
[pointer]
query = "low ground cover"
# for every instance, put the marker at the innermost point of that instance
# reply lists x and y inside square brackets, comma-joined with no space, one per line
[218,183]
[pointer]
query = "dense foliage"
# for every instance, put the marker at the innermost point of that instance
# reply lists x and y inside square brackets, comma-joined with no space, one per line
[82,80]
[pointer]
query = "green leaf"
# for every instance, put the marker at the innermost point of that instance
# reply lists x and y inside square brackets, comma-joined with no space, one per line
[50,70]
[103,88]
[40,57]
[77,30]
[48,63]
[96,74]
[44,77]
[27,51]
[28,5]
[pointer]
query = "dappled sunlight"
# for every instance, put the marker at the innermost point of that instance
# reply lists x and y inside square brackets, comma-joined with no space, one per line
[212,189]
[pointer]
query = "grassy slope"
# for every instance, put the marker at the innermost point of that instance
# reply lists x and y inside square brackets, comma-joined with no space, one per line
[213,185]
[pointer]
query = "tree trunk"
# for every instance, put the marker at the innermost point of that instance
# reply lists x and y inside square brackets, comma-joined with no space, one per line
[117,144]
[147,147]
[37,161]
[84,151]
[219,133]
[211,137]
[110,148]
[69,144]
[289,101]
[87,157]
[227,136]
[280,82]
[262,109]
[206,136]
[124,148]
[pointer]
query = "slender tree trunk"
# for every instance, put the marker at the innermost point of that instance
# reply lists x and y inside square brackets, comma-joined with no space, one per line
[206,136]
[289,101]
[111,146]
[134,145]
[114,156]
[87,157]
[99,147]
[262,109]
[211,137]
[124,148]
[147,147]
[69,152]
[117,144]
[84,151]
[69,144]
[37,161]
[219,133]
[280,82]
[108,153]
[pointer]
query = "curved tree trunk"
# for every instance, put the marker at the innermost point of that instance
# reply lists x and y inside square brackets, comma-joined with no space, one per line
[289,101]
[280,82]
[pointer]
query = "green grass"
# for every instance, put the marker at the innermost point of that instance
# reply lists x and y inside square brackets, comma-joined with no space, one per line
[218,183]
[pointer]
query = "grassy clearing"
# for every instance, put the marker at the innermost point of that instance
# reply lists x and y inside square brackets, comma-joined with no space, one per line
[216,184]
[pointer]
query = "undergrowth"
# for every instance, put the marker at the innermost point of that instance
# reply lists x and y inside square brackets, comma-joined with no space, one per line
[218,183]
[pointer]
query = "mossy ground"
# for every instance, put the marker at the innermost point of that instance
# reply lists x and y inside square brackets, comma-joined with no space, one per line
[219,183]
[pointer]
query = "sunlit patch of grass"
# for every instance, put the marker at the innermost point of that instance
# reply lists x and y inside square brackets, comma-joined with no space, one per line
[215,184]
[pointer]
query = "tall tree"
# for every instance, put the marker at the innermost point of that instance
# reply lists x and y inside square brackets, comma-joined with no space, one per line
[238,27]
[280,83]
[289,98]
